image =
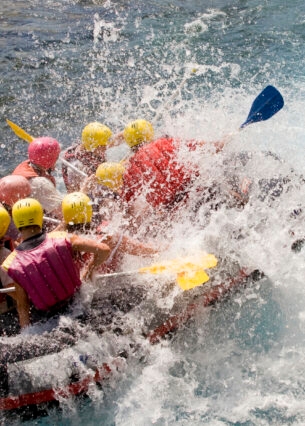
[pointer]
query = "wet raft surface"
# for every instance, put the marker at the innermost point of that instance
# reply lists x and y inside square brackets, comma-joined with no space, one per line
[124,309]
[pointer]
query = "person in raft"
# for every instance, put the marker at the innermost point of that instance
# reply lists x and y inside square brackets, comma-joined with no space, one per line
[155,180]
[5,279]
[87,155]
[104,188]
[12,189]
[43,154]
[78,218]
[43,266]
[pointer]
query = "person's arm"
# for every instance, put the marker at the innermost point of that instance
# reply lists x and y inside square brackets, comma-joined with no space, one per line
[100,252]
[136,248]
[89,184]
[23,304]
[218,145]
[19,295]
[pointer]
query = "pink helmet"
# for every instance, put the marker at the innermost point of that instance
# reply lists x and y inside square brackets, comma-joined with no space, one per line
[44,152]
[13,188]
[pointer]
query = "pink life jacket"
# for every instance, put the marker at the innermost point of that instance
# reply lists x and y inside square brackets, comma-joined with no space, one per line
[47,273]
[155,172]
[26,170]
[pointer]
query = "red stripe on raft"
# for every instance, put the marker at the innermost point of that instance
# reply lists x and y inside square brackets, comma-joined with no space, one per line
[14,402]
[213,295]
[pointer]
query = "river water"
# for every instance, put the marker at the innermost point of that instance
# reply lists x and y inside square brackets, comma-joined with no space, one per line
[66,63]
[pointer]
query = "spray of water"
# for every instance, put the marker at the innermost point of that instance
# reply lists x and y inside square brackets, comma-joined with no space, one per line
[240,361]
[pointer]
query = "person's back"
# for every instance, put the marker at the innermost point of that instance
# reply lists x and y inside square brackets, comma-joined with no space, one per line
[155,172]
[43,265]
[157,180]
[87,155]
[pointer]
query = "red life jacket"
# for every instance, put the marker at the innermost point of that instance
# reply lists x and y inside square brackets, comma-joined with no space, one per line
[26,170]
[155,172]
[47,272]
[89,160]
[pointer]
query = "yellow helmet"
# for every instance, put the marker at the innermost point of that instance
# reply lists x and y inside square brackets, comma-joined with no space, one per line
[5,221]
[110,175]
[26,212]
[138,131]
[76,208]
[95,134]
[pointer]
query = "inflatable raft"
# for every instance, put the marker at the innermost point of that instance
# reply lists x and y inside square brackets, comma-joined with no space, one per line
[97,345]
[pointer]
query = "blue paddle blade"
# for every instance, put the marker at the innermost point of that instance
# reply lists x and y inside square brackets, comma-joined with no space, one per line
[267,103]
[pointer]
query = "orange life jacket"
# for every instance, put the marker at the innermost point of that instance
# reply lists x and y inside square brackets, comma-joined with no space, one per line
[27,170]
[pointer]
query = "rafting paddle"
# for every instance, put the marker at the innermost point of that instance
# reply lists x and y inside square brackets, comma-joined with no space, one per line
[265,105]
[20,132]
[189,271]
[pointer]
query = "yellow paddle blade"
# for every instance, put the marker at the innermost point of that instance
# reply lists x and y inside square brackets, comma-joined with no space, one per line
[201,261]
[207,261]
[20,132]
[190,279]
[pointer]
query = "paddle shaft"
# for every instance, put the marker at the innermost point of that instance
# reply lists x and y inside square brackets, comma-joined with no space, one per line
[75,169]
[7,290]
[116,274]
[51,220]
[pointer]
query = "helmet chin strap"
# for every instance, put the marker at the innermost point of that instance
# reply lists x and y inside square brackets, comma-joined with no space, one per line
[38,168]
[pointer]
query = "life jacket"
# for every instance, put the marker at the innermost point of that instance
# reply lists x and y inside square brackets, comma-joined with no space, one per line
[89,161]
[28,171]
[47,272]
[155,172]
